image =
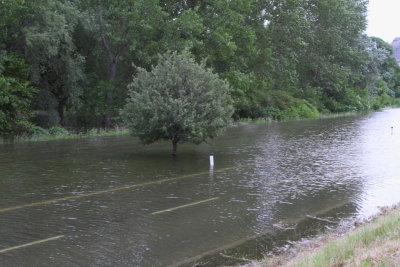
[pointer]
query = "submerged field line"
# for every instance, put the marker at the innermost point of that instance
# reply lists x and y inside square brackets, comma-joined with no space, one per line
[31,243]
[185,206]
[245,239]
[51,201]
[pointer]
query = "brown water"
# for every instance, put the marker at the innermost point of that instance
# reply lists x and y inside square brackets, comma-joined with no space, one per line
[105,201]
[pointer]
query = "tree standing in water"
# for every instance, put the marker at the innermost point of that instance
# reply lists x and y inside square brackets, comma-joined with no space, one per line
[178,100]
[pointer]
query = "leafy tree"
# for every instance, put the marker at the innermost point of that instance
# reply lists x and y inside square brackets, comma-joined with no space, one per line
[333,60]
[15,95]
[56,67]
[183,31]
[14,15]
[127,30]
[235,47]
[389,69]
[15,105]
[288,31]
[381,71]
[280,57]
[178,100]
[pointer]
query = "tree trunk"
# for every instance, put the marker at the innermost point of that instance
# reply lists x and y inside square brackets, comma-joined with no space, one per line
[61,108]
[174,148]
[112,65]
[112,72]
[107,114]
[113,60]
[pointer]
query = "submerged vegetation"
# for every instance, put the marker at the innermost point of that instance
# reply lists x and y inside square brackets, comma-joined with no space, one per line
[69,63]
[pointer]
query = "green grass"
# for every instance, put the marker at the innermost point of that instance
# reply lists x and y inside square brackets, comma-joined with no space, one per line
[65,136]
[40,134]
[373,244]
[340,114]
[245,121]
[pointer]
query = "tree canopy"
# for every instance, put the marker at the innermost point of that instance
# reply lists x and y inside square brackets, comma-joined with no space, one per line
[278,56]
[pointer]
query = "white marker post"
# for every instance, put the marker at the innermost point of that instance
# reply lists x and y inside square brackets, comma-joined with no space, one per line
[392,130]
[211,160]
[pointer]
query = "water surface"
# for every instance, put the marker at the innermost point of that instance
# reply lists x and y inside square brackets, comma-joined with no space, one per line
[108,198]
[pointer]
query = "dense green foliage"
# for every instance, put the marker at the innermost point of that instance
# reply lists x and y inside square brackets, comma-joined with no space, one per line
[282,59]
[15,95]
[178,100]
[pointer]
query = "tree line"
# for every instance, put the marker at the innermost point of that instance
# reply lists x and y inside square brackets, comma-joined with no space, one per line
[68,62]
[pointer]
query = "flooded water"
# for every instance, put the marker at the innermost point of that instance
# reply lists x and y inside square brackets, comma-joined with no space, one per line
[114,202]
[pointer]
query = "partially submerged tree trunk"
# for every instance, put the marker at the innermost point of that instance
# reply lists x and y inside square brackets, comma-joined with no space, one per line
[175,141]
[174,148]
[107,114]
[61,110]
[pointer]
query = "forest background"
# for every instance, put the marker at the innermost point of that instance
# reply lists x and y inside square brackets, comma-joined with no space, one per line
[67,63]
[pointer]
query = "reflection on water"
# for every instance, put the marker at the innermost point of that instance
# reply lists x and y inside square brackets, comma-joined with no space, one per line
[107,198]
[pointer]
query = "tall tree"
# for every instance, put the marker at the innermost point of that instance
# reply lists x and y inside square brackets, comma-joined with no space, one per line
[15,95]
[124,27]
[233,43]
[56,67]
[287,31]
[381,66]
[333,60]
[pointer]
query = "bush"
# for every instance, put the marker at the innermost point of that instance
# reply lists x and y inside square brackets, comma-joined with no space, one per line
[301,111]
[15,105]
[313,95]
[353,99]
[381,101]
[281,106]
[46,118]
[93,132]
[58,131]
[37,131]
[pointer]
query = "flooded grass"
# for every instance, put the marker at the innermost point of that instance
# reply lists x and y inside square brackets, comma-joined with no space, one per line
[66,136]
[92,133]
[376,243]
[246,121]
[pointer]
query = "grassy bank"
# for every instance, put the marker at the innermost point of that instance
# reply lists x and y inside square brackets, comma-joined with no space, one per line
[57,133]
[376,243]
[320,116]
[37,133]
